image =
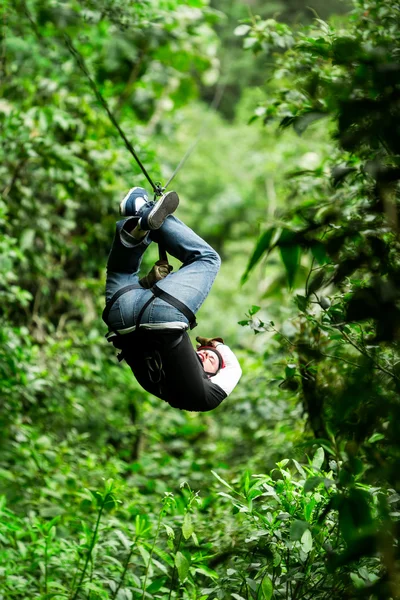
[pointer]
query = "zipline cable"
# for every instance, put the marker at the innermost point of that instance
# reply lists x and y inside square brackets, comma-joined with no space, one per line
[157,188]
[82,65]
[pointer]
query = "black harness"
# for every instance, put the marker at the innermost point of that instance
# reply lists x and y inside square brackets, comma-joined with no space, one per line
[157,293]
[126,342]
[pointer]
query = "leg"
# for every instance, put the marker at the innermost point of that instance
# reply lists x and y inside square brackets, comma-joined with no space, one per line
[130,242]
[192,283]
[126,254]
[132,238]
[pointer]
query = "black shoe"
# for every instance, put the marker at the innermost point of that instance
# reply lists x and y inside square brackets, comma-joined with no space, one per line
[135,199]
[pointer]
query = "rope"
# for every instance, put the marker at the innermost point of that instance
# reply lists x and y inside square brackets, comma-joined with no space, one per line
[157,188]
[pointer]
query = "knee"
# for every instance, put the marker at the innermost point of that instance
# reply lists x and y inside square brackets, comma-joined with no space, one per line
[217,259]
[214,259]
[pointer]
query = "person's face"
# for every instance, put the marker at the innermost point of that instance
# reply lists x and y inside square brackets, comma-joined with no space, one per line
[209,360]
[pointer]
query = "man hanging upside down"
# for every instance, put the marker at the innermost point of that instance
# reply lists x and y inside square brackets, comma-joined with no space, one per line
[149,324]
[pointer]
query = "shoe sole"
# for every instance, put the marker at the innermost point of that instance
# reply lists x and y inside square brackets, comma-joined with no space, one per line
[122,205]
[164,207]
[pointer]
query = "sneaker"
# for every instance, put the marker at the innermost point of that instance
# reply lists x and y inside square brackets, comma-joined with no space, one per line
[154,216]
[135,199]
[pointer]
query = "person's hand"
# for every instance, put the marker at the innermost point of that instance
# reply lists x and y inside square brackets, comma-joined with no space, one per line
[203,341]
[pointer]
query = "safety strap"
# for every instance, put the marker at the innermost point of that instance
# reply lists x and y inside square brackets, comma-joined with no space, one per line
[140,315]
[114,298]
[157,188]
[157,293]
[177,304]
[162,253]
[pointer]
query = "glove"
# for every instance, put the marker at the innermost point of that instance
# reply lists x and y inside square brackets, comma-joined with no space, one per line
[208,341]
[159,270]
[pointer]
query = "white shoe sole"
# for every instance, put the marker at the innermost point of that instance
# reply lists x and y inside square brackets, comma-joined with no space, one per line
[164,207]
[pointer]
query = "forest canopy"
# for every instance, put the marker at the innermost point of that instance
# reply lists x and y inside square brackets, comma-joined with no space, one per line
[289,490]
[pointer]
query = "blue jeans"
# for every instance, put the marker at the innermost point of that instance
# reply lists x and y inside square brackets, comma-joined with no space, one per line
[190,284]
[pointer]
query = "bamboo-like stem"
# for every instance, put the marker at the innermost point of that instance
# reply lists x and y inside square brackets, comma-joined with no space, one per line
[46,565]
[151,553]
[125,570]
[90,550]
[174,569]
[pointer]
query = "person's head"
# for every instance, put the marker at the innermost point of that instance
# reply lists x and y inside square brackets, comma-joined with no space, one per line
[210,359]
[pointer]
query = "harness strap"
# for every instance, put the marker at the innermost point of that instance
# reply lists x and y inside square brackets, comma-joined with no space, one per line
[177,304]
[157,292]
[114,298]
[162,253]
[140,315]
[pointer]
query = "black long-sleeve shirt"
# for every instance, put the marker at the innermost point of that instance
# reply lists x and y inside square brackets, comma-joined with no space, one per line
[166,365]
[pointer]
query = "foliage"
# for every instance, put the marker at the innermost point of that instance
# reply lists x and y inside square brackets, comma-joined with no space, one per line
[339,241]
[287,537]
[107,492]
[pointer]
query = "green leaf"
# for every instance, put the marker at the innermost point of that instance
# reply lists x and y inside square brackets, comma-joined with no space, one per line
[308,509]
[170,531]
[306,541]
[301,123]
[109,485]
[122,537]
[290,253]
[187,527]
[301,302]
[27,239]
[358,582]
[206,571]
[266,589]
[299,468]
[182,565]
[242,30]
[145,554]
[297,530]
[376,437]
[277,559]
[141,525]
[319,253]
[244,323]
[156,585]
[97,497]
[318,459]
[339,173]
[246,484]
[290,370]
[262,246]
[110,502]
[290,257]
[250,42]
[222,481]
[312,483]
[167,558]
[48,526]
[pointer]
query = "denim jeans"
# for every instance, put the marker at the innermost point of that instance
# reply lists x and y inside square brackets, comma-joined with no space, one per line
[190,284]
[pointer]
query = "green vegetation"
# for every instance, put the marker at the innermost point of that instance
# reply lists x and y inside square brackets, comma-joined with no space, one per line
[290,489]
